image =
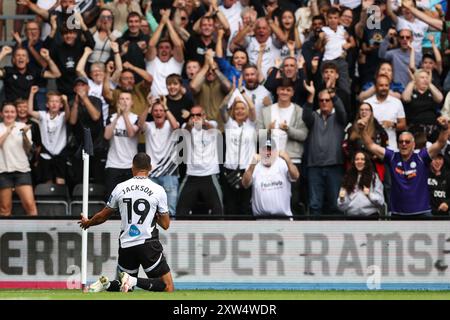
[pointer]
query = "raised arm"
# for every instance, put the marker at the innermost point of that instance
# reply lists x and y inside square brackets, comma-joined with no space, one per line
[247,178]
[141,72]
[65,102]
[407,93]
[106,90]
[31,112]
[5,52]
[35,8]
[199,78]
[441,142]
[390,13]
[376,149]
[176,41]
[308,116]
[434,22]
[117,62]
[81,65]
[53,71]
[294,174]
[142,120]
[151,52]
[437,54]
[109,129]
[131,128]
[436,93]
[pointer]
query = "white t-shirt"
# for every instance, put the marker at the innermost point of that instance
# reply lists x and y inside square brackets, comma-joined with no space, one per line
[418,27]
[257,95]
[279,115]
[53,133]
[271,191]
[269,56]
[96,90]
[336,39]
[12,155]
[138,200]
[248,143]
[159,71]
[390,109]
[233,16]
[157,141]
[122,149]
[203,153]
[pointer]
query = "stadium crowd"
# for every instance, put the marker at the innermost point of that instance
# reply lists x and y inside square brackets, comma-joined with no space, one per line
[263,107]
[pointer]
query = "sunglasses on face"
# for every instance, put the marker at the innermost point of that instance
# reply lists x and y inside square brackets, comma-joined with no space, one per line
[324,100]
[406,142]
[196,114]
[405,37]
[106,17]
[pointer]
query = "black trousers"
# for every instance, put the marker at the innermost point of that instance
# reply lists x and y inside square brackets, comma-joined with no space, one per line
[200,190]
[236,201]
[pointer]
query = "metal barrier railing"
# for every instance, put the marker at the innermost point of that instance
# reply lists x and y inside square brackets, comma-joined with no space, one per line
[6,18]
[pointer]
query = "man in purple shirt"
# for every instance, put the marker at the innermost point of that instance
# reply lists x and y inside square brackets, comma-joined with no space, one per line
[409,170]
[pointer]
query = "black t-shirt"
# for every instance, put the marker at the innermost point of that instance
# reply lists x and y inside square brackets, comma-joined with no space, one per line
[18,85]
[421,109]
[374,36]
[196,49]
[85,121]
[134,55]
[175,106]
[439,191]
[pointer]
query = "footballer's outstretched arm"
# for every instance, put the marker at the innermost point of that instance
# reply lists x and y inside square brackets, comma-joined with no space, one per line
[163,219]
[97,219]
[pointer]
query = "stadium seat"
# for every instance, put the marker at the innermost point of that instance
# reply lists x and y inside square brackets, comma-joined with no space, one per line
[52,199]
[95,203]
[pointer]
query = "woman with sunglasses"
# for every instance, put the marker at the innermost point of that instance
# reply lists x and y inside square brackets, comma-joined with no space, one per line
[103,35]
[361,193]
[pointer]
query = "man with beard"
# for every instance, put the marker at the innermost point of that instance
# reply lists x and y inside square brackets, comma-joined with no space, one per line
[409,170]
[388,110]
[271,174]
[258,93]
[289,70]
[165,56]
[19,78]
[127,83]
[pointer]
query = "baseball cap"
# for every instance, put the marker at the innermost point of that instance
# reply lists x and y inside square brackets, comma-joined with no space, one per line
[269,144]
[81,79]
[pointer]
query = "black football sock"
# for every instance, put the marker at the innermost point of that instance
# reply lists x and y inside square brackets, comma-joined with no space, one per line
[114,286]
[151,284]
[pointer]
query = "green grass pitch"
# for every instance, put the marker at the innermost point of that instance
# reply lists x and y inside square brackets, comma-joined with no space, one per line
[224,295]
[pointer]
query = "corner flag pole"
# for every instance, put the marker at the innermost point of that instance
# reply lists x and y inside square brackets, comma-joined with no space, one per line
[88,150]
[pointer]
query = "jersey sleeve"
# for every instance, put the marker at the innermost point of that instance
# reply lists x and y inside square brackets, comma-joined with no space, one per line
[162,203]
[425,156]
[388,155]
[113,201]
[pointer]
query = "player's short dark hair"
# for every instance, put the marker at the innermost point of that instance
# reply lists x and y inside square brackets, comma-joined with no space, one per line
[142,161]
